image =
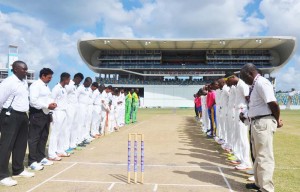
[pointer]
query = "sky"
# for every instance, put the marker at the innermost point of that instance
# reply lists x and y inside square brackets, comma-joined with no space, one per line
[47,32]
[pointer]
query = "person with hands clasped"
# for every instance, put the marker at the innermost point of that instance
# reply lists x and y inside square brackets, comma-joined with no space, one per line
[40,116]
[264,116]
[59,129]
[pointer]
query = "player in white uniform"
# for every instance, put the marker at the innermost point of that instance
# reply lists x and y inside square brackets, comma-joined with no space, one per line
[121,107]
[59,125]
[242,145]
[219,125]
[223,110]
[205,125]
[83,92]
[72,128]
[89,114]
[230,119]
[96,117]
[106,99]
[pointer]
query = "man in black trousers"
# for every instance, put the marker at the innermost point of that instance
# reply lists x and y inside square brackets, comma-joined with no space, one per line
[14,105]
[40,118]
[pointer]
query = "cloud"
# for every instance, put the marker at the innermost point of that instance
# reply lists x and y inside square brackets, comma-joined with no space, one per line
[47,31]
[39,45]
[66,14]
[282,18]
[287,77]
[195,19]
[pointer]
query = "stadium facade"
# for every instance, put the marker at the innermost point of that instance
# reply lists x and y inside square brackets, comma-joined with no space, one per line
[169,71]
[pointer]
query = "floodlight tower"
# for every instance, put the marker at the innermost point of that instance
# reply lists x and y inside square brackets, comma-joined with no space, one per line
[12,57]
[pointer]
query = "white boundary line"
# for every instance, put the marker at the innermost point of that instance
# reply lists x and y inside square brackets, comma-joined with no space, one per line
[226,181]
[155,187]
[52,177]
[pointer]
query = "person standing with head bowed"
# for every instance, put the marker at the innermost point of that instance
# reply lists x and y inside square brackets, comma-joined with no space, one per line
[264,116]
[14,105]
[40,116]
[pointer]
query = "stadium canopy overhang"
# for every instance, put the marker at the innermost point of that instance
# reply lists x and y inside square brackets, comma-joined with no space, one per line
[284,45]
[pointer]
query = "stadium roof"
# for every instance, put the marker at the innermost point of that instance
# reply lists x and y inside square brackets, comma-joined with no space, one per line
[188,44]
[284,45]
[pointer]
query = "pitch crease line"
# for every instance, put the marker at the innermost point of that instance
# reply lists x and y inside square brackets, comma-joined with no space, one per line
[111,186]
[124,183]
[52,177]
[163,165]
[225,179]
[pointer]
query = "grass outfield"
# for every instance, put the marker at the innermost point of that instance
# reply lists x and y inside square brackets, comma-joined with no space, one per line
[286,146]
[287,153]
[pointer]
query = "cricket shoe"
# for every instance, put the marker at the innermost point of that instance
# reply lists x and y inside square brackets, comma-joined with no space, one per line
[242,167]
[8,181]
[26,174]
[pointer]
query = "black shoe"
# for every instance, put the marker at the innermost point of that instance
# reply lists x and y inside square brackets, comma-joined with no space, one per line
[81,145]
[251,186]
[209,136]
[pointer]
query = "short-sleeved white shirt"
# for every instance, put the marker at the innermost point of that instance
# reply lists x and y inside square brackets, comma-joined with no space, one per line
[261,95]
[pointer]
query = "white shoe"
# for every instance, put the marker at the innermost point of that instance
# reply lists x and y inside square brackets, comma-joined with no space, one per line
[251,178]
[250,172]
[216,139]
[8,181]
[46,162]
[36,166]
[25,174]
[242,167]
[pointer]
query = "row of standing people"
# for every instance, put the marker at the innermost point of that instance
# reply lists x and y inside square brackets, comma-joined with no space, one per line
[242,115]
[77,114]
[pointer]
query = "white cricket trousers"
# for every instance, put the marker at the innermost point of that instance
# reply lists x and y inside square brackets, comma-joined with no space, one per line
[242,140]
[72,125]
[121,116]
[219,124]
[58,133]
[82,113]
[104,119]
[88,121]
[96,120]
[224,135]
[231,127]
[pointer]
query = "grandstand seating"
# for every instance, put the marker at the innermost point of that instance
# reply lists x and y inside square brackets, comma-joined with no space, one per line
[155,82]
[282,99]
